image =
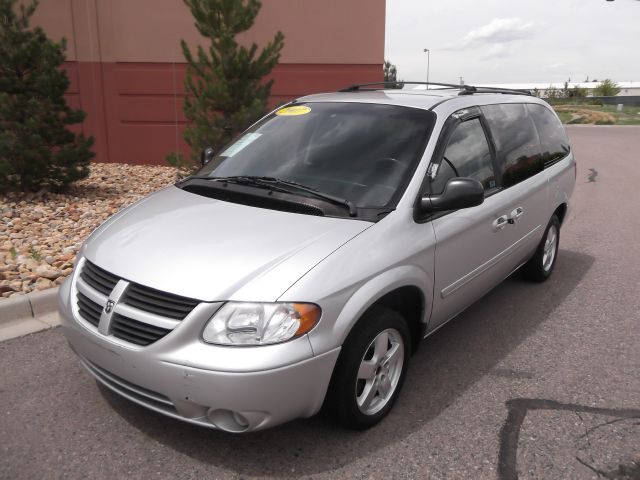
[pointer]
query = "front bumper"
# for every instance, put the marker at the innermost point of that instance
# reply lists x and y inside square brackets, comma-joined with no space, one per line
[229,388]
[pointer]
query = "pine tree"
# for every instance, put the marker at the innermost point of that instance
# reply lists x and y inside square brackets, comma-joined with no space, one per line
[36,148]
[390,72]
[225,88]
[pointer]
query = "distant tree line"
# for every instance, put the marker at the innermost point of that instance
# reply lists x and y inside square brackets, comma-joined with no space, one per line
[606,88]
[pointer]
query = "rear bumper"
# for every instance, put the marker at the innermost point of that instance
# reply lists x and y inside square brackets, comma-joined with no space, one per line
[184,378]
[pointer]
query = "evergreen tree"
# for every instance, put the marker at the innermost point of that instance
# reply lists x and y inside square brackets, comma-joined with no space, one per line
[224,84]
[390,72]
[391,75]
[36,148]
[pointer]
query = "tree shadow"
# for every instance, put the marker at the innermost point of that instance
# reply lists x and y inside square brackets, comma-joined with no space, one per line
[446,365]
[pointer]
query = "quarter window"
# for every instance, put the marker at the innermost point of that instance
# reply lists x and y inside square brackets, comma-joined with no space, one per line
[517,142]
[553,140]
[467,155]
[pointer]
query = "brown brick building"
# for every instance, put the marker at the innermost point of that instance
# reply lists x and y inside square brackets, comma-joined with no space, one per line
[126,67]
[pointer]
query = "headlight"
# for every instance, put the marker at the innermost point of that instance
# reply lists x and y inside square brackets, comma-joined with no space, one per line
[260,323]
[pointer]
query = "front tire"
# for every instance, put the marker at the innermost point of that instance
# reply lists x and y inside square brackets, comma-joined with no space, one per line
[541,265]
[371,369]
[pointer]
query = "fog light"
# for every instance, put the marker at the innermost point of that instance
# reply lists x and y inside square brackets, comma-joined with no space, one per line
[228,420]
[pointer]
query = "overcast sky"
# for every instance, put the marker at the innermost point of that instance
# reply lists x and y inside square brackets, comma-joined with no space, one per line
[514,41]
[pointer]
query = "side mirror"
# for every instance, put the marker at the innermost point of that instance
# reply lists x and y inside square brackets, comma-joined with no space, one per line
[459,192]
[206,155]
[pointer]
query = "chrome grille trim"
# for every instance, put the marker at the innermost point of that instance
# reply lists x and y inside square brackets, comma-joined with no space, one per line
[90,292]
[145,317]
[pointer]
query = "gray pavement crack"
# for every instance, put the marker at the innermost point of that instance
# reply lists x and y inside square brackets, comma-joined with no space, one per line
[517,411]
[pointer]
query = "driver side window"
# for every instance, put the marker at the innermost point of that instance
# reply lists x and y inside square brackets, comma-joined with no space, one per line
[467,155]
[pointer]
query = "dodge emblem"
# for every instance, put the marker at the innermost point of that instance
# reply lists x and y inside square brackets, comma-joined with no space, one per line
[109,306]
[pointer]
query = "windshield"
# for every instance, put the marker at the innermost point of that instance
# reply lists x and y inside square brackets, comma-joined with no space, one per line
[364,153]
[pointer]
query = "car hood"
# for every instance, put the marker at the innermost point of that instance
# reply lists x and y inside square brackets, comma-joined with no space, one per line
[211,250]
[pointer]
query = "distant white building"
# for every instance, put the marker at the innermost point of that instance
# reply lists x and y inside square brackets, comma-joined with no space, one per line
[626,88]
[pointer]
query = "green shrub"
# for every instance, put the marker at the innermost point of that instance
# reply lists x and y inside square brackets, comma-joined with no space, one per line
[36,148]
[607,88]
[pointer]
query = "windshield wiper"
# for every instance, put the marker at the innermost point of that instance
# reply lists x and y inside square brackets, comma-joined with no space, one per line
[284,186]
[325,196]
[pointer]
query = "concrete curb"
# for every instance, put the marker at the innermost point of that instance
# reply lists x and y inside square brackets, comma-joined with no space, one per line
[29,313]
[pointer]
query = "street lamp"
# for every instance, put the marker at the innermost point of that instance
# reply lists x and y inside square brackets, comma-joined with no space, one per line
[426,50]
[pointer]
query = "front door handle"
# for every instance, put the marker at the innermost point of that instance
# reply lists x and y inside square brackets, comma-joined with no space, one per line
[500,222]
[515,214]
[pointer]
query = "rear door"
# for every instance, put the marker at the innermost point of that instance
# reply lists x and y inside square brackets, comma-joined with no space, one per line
[521,173]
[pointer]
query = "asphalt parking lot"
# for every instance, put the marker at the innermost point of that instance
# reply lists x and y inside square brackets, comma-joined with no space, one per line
[534,381]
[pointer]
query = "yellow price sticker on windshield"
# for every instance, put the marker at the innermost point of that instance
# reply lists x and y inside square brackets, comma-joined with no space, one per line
[293,111]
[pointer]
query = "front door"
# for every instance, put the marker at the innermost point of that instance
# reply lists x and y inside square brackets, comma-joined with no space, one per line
[472,244]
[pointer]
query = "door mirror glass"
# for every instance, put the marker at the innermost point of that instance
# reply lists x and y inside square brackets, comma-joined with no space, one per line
[207,155]
[459,192]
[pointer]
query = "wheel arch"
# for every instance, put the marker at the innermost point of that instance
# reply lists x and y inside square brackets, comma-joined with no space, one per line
[561,212]
[410,303]
[407,290]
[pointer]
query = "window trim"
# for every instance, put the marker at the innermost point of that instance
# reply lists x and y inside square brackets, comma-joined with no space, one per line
[449,126]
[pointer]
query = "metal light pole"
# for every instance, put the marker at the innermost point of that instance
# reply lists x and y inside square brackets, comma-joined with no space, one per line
[428,55]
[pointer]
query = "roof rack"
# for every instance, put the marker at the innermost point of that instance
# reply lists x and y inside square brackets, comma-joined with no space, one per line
[464,89]
[470,90]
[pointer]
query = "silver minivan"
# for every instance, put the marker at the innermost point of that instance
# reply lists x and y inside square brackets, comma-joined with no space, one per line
[304,263]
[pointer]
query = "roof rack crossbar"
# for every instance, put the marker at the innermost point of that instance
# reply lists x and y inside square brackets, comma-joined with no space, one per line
[511,91]
[464,89]
[358,86]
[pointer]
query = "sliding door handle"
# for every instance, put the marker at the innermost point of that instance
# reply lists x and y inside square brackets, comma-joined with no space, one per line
[515,214]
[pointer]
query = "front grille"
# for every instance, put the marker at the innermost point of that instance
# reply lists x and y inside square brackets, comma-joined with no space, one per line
[89,310]
[134,331]
[141,316]
[160,303]
[99,279]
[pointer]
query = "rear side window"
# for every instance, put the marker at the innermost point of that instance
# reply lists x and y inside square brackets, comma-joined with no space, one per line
[553,139]
[467,155]
[517,142]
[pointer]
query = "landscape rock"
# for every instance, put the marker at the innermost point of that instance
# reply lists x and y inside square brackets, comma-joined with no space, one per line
[44,283]
[45,271]
[41,233]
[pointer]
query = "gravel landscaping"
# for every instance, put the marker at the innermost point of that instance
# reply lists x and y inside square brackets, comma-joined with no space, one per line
[41,232]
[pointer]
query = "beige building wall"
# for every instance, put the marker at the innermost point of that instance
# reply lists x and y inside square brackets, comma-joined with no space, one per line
[327,31]
[126,66]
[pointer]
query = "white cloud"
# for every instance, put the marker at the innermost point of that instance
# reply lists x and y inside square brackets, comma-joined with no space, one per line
[507,41]
[556,66]
[498,31]
[498,50]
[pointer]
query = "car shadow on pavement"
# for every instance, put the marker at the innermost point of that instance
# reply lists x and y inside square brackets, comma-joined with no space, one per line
[447,363]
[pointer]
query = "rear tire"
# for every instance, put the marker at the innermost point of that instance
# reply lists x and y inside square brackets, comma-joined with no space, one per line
[541,265]
[371,369]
